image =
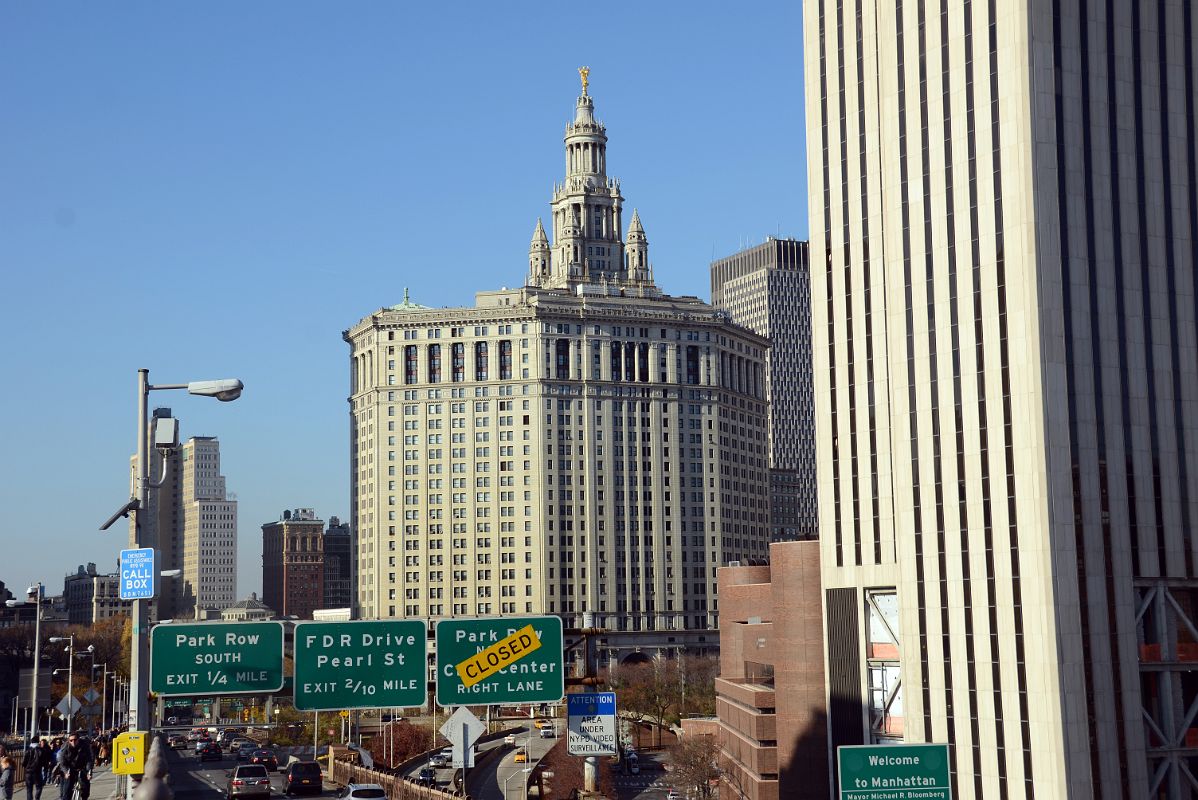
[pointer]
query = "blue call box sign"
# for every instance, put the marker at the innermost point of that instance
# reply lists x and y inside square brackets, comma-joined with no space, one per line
[137,574]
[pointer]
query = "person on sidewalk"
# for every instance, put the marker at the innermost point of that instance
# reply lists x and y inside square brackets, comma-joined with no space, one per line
[46,761]
[34,780]
[8,776]
[76,764]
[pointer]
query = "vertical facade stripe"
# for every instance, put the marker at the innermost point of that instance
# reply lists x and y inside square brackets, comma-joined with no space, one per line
[1162,559]
[1067,279]
[912,403]
[1007,418]
[994,643]
[970,711]
[850,329]
[1097,371]
[934,393]
[866,291]
[1162,28]
[838,531]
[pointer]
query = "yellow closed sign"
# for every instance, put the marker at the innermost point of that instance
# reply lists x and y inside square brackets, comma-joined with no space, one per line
[129,753]
[502,654]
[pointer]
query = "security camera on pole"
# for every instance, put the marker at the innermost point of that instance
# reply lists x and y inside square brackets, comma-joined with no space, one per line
[166,438]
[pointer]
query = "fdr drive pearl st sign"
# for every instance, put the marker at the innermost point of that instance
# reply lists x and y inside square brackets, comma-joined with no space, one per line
[216,658]
[368,664]
[499,661]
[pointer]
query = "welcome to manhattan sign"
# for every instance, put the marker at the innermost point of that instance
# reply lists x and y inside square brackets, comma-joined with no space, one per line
[894,772]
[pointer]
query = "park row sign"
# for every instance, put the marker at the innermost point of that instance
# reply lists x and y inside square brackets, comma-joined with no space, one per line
[365,664]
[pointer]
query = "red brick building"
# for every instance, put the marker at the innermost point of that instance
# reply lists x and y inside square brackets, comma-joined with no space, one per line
[770,697]
[293,564]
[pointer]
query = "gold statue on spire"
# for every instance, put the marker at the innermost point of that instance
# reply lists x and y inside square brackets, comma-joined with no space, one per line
[585,72]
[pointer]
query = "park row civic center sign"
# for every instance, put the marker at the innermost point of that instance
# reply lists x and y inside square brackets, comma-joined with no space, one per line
[365,664]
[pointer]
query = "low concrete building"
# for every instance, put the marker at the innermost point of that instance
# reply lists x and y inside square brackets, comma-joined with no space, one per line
[770,698]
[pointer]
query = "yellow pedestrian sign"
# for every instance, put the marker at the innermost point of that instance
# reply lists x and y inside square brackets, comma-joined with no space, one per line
[129,753]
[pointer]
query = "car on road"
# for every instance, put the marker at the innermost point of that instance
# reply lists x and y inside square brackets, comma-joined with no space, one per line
[363,791]
[438,761]
[245,750]
[266,758]
[509,739]
[521,756]
[541,723]
[201,743]
[427,777]
[673,794]
[237,742]
[548,732]
[248,780]
[302,776]
[178,742]
[210,752]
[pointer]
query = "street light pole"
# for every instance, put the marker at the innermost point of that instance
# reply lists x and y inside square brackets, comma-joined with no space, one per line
[70,677]
[139,667]
[38,590]
[139,663]
[508,780]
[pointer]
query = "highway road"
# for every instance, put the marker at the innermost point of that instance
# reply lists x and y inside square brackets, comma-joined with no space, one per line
[195,780]
[506,772]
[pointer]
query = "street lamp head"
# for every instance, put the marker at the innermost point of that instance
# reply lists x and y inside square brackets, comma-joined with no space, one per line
[91,648]
[223,390]
[13,603]
[171,573]
[58,638]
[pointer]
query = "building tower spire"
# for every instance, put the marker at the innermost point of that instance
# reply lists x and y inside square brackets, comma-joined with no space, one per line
[538,257]
[636,251]
[587,205]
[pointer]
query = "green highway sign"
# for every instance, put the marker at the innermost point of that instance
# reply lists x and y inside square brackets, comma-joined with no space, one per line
[370,664]
[499,661]
[217,658]
[894,772]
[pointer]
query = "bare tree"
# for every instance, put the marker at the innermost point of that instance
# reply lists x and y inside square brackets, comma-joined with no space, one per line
[696,764]
[649,690]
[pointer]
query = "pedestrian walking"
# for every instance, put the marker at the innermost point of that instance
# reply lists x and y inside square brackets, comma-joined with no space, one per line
[46,761]
[76,764]
[8,776]
[34,777]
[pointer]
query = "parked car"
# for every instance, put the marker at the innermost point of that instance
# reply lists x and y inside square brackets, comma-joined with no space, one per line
[427,777]
[248,780]
[302,776]
[245,750]
[266,758]
[210,752]
[363,791]
[521,756]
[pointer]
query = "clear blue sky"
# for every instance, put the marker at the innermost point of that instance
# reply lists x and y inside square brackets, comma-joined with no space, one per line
[219,189]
